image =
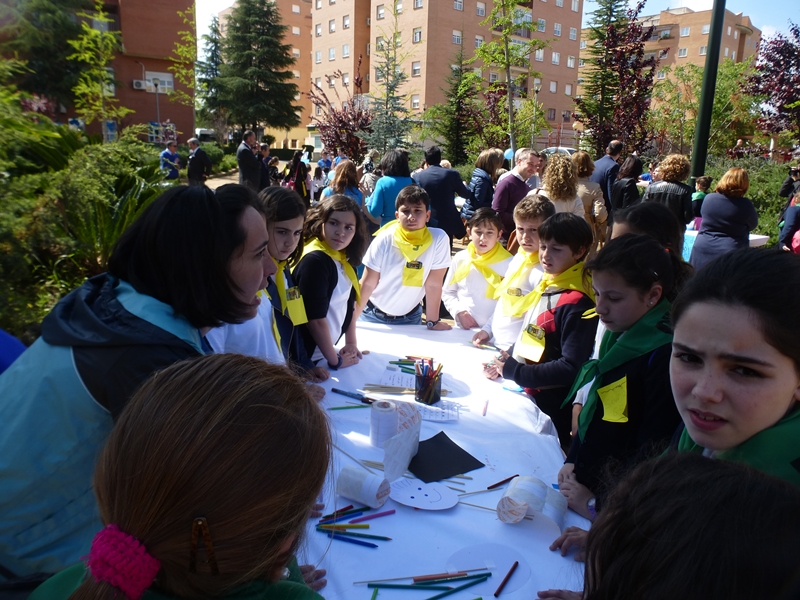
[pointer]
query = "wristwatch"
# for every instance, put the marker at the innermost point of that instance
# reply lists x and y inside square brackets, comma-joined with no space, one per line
[432,324]
[591,507]
[338,365]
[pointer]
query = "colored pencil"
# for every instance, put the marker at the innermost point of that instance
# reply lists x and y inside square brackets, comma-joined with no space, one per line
[343,526]
[499,483]
[341,517]
[374,594]
[448,579]
[438,576]
[349,406]
[375,516]
[347,511]
[459,588]
[366,536]
[341,538]
[337,512]
[506,578]
[461,572]
[400,586]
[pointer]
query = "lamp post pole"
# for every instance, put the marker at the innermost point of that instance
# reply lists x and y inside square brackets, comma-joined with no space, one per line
[536,90]
[158,110]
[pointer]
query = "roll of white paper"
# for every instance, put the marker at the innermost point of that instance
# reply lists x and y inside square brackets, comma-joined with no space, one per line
[360,486]
[382,422]
[530,496]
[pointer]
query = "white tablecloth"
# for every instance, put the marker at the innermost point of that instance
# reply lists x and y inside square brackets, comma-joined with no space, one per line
[513,438]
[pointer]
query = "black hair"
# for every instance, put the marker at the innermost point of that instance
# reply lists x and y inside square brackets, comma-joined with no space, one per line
[704,182]
[641,262]
[412,195]
[247,134]
[179,251]
[632,167]
[614,147]
[320,213]
[765,282]
[690,527]
[570,230]
[485,214]
[282,204]
[395,163]
[433,155]
[653,219]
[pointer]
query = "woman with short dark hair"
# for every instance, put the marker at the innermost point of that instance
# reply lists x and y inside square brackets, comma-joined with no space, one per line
[624,192]
[396,176]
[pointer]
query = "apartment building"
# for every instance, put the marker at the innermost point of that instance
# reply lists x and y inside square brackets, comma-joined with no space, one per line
[296,16]
[431,33]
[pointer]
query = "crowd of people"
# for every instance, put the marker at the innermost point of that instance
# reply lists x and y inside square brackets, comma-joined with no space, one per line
[165,427]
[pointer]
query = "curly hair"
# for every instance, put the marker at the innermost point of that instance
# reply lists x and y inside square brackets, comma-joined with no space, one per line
[560,178]
[675,167]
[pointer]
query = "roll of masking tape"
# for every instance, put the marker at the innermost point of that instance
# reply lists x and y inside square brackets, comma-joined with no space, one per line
[382,422]
[360,486]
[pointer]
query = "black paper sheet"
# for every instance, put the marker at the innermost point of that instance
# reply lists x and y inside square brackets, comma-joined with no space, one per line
[440,458]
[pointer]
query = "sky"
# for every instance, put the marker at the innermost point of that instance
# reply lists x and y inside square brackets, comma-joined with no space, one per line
[770,16]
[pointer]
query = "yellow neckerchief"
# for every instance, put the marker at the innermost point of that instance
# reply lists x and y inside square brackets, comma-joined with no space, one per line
[571,279]
[508,292]
[291,300]
[482,264]
[275,333]
[411,245]
[280,283]
[339,256]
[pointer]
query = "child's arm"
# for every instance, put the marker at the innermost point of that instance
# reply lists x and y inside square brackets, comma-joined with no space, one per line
[322,336]
[451,300]
[369,281]
[433,297]
[350,343]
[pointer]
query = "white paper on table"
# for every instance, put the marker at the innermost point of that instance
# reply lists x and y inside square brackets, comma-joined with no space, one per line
[442,411]
[400,449]
[398,379]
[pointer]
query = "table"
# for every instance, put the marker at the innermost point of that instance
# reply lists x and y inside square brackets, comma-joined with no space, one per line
[690,238]
[513,438]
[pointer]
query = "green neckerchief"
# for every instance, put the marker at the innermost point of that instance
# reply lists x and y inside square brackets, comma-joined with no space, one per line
[648,333]
[773,451]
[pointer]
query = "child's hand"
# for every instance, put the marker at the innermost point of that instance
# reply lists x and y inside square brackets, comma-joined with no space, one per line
[314,577]
[572,537]
[352,350]
[577,495]
[466,320]
[348,360]
[318,374]
[492,370]
[565,472]
[480,338]
[441,326]
[316,510]
[317,392]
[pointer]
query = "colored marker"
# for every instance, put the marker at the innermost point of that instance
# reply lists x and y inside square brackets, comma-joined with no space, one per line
[367,536]
[341,517]
[459,588]
[400,586]
[354,395]
[349,406]
[336,513]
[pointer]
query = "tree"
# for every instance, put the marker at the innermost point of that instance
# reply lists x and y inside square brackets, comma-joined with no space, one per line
[185,58]
[254,80]
[777,79]
[38,32]
[211,108]
[618,78]
[504,52]
[95,49]
[339,127]
[453,124]
[390,113]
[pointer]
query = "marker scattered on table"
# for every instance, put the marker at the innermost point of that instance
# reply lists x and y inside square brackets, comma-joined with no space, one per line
[366,536]
[374,594]
[461,587]
[348,406]
[506,578]
[336,513]
[354,395]
[341,517]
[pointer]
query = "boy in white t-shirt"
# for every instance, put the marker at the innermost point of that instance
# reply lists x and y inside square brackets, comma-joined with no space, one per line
[475,273]
[405,263]
[523,274]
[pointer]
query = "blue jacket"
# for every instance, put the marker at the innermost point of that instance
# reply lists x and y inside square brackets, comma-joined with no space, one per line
[58,402]
[605,173]
[482,189]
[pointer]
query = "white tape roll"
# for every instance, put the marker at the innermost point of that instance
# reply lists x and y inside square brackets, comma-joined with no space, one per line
[531,496]
[359,485]
[382,422]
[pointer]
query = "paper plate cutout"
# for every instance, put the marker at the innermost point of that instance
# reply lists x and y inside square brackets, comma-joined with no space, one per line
[498,558]
[425,496]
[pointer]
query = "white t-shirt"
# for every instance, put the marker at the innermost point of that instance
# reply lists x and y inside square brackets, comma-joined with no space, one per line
[251,338]
[470,293]
[505,328]
[337,309]
[384,256]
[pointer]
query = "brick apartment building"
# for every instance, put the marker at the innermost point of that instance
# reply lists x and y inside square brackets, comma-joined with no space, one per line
[296,16]
[149,30]
[431,32]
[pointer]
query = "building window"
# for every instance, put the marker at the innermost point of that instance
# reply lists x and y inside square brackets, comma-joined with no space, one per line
[580,82]
[570,62]
[541,25]
[706,29]
[566,116]
[331,82]
[296,9]
[318,110]
[551,114]
[398,7]
[581,63]
[379,43]
[733,55]
[553,87]
[478,72]
[319,4]
[165,82]
[346,22]
[295,31]
[726,52]
[368,45]
[415,101]
[662,54]
[575,5]
[346,79]
[456,37]
[684,31]
[583,44]
[703,50]
[296,52]
[318,56]
[458,4]
[416,37]
[480,10]
[331,53]
[345,50]
[729,29]
[736,34]
[661,75]
[331,25]
[417,3]
[380,12]
[683,52]
[556,58]
[398,38]
[538,55]
[573,33]
[378,74]
[318,29]
[557,29]
[568,89]
[478,41]
[416,68]
[492,77]
[318,82]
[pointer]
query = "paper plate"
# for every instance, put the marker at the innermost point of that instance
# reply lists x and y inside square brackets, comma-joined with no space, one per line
[425,496]
[498,558]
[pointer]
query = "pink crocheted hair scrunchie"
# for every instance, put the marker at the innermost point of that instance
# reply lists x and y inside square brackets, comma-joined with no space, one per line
[122,560]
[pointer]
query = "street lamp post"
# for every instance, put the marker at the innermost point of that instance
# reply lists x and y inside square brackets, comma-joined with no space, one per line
[536,89]
[158,110]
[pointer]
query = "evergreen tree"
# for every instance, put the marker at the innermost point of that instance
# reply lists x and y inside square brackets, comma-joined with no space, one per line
[255,80]
[210,107]
[390,113]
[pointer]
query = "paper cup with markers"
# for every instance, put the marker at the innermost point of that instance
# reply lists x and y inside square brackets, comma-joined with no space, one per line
[427,388]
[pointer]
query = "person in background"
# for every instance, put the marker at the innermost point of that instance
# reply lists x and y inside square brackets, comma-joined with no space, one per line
[594,207]
[170,161]
[274,172]
[701,187]
[651,172]
[606,169]
[624,192]
[345,181]
[318,183]
[670,190]
[396,176]
[325,162]
[340,157]
[512,188]
[199,168]
[213,501]
[482,182]
[298,177]
[561,185]
[249,163]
